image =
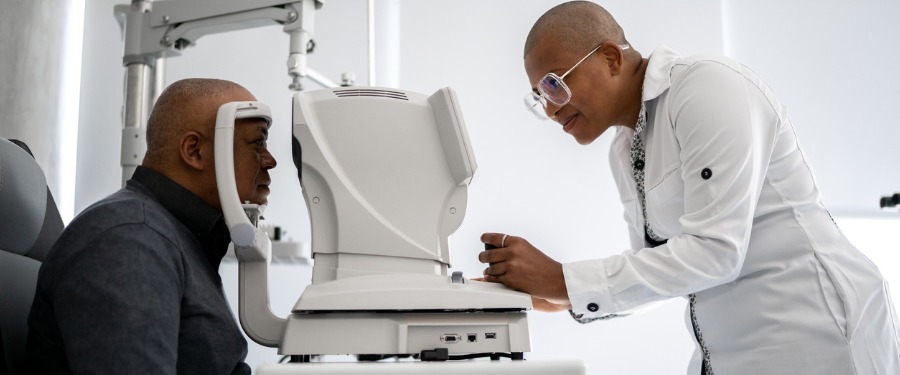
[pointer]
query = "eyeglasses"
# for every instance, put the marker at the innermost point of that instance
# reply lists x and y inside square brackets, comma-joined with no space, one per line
[552,88]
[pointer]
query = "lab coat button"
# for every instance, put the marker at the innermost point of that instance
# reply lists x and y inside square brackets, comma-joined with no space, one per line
[592,307]
[639,164]
[706,173]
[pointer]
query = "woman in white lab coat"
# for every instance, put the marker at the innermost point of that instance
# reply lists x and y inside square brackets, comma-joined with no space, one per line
[721,205]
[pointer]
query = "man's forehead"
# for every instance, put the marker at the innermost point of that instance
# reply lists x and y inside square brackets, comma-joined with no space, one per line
[254,123]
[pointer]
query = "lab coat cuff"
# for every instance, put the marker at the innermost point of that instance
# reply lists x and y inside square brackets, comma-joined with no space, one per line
[588,290]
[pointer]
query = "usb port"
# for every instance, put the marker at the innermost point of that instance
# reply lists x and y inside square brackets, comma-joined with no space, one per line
[472,337]
[490,335]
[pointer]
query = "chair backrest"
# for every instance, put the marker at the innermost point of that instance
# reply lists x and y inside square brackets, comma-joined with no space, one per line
[29,224]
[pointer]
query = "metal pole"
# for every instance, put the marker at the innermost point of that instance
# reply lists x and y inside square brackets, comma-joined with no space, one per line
[137,95]
[139,90]
[159,81]
[320,78]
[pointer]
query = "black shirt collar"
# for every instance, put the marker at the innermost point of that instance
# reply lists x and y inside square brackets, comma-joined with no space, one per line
[204,221]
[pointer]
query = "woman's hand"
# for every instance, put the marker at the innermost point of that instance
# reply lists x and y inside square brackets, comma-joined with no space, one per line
[520,266]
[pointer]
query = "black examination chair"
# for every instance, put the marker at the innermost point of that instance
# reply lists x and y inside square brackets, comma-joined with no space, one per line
[29,224]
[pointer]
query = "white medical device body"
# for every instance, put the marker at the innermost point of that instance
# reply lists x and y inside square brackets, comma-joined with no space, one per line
[385,175]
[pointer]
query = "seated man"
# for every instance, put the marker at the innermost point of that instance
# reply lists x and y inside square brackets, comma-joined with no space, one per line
[132,284]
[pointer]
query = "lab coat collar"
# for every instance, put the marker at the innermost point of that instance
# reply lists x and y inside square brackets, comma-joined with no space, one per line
[657,78]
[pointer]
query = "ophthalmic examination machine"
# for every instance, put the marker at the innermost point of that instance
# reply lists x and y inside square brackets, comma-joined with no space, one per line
[384,174]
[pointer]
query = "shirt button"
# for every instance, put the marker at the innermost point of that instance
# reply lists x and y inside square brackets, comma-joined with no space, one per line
[639,164]
[592,307]
[706,173]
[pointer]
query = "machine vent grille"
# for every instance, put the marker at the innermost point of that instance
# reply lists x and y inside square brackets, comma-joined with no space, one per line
[370,92]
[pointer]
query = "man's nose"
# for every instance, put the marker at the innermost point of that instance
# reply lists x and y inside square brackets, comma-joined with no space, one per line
[268,161]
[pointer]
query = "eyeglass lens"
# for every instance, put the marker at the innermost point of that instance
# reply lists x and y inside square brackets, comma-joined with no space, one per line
[554,89]
[535,103]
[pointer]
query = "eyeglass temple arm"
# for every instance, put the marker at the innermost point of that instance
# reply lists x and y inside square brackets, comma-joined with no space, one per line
[622,46]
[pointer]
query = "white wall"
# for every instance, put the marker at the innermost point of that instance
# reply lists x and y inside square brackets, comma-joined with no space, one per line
[40,62]
[533,180]
[834,64]
[98,168]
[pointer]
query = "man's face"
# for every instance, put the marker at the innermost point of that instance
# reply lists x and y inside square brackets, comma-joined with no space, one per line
[252,160]
[588,113]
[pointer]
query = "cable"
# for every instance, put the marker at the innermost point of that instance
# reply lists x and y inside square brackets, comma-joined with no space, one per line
[442,354]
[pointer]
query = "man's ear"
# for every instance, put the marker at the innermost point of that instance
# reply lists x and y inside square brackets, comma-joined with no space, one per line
[192,151]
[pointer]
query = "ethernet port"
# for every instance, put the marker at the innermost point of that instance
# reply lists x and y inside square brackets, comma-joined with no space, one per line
[472,337]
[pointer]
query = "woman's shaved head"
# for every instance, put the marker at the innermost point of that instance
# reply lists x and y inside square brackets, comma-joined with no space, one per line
[576,26]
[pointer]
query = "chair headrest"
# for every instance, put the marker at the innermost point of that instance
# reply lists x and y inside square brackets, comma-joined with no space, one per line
[23,199]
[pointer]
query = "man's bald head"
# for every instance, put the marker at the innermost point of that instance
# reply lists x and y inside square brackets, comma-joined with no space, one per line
[575,26]
[186,105]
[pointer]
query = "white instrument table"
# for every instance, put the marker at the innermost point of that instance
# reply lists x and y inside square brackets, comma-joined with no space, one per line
[501,367]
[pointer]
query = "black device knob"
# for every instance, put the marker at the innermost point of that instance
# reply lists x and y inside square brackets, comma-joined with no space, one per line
[891,201]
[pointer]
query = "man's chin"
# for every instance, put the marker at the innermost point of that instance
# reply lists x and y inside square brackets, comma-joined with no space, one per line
[262,194]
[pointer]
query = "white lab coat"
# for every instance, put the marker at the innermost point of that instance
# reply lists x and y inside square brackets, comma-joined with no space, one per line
[779,289]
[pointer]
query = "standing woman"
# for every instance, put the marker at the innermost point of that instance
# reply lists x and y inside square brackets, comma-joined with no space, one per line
[721,206]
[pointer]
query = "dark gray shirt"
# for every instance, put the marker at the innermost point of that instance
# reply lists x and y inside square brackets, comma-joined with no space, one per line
[132,286]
